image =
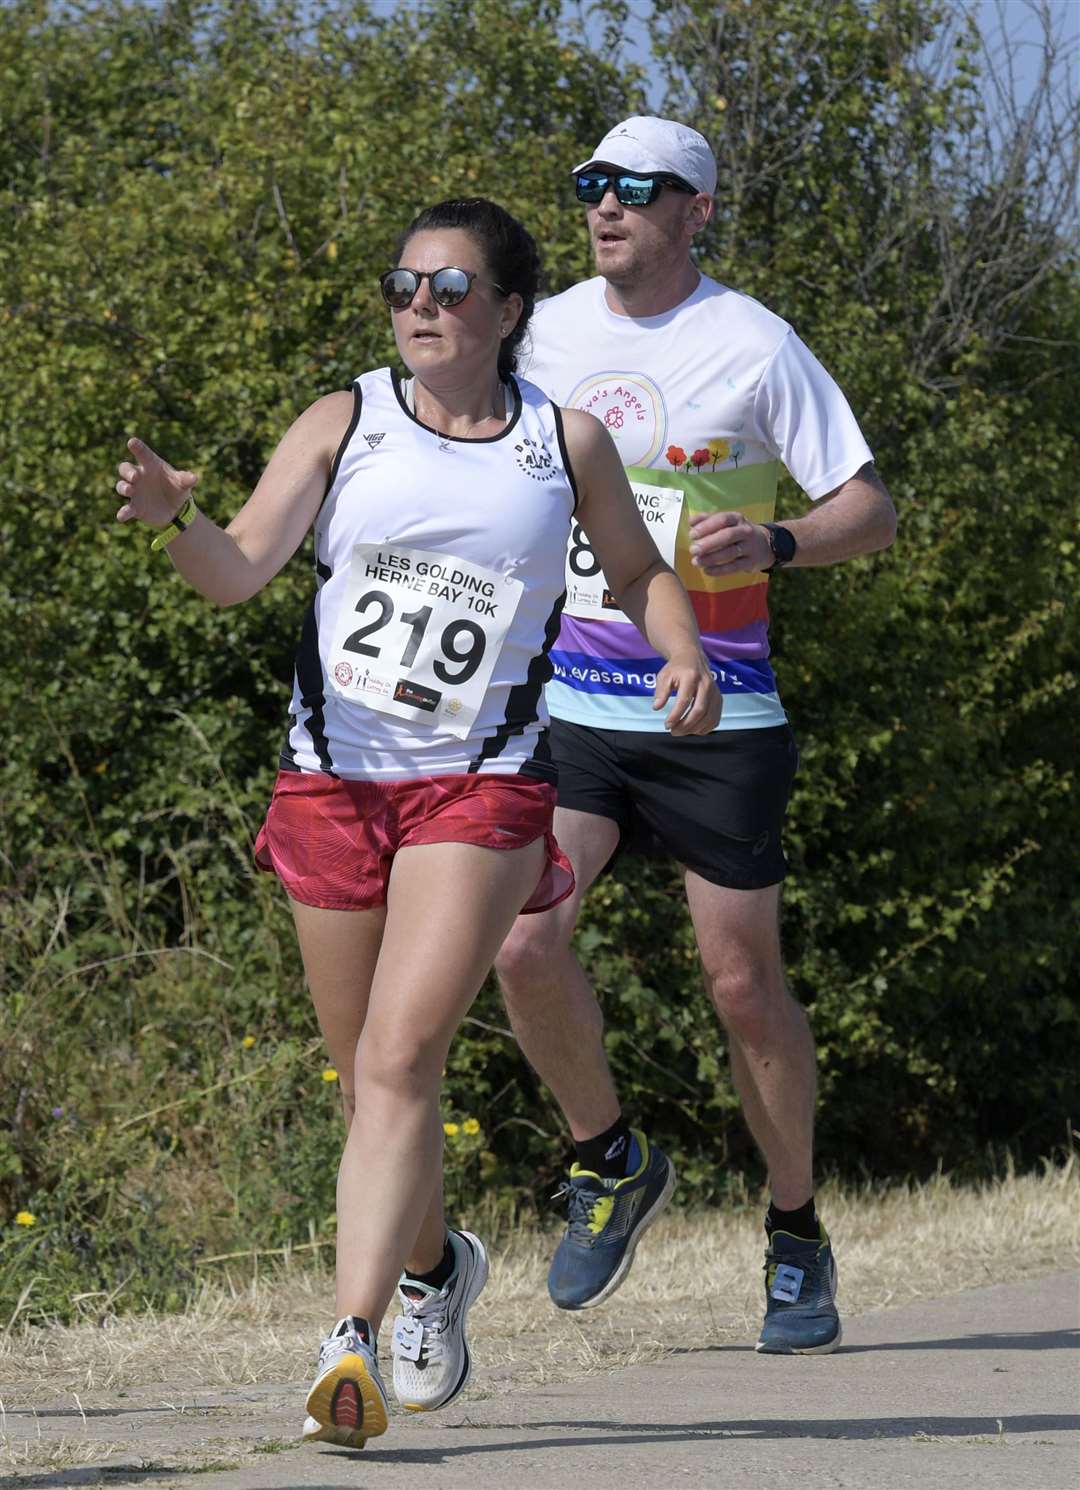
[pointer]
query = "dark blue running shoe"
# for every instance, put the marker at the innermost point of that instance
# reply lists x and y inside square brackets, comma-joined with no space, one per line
[800,1297]
[605,1221]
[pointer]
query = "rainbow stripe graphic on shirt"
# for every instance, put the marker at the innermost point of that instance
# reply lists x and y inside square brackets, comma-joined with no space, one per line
[604,670]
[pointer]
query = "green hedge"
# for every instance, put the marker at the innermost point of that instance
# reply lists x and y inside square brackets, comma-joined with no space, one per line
[188,251]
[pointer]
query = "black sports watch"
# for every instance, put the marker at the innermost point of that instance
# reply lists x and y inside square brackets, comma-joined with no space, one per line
[783,545]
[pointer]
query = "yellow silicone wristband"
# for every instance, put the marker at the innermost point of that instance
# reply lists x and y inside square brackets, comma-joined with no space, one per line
[183,520]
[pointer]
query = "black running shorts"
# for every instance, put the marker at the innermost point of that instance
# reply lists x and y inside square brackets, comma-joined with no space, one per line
[715,802]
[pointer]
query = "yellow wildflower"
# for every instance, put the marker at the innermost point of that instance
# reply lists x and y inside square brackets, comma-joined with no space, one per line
[470,1125]
[450,1129]
[248,1041]
[25,1218]
[329,1074]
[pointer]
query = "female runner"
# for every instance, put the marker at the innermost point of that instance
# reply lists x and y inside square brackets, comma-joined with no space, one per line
[411,818]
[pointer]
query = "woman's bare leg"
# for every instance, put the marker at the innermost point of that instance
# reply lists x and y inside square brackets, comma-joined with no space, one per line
[340,950]
[344,947]
[448,909]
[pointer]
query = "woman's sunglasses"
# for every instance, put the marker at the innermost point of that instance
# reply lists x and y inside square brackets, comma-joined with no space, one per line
[630,191]
[449,286]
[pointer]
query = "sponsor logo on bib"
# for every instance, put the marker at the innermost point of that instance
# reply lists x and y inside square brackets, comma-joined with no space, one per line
[368,682]
[416,694]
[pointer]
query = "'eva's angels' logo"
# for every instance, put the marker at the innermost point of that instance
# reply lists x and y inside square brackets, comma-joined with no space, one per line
[631,408]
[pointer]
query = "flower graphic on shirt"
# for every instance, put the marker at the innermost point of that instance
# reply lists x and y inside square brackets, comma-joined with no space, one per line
[676,455]
[719,451]
[613,419]
[699,458]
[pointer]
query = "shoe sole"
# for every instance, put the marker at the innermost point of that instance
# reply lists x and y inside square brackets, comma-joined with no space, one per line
[345,1438]
[826,1349]
[619,1275]
[348,1398]
[473,1288]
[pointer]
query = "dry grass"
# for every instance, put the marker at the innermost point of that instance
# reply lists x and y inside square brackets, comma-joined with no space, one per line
[697,1282]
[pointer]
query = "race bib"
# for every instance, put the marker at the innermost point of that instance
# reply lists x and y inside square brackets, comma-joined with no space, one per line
[419,634]
[587,593]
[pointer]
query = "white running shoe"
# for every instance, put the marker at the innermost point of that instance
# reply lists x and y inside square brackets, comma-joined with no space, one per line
[347,1394]
[431,1354]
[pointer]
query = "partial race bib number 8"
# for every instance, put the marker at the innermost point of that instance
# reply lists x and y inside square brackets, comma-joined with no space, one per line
[419,634]
[587,593]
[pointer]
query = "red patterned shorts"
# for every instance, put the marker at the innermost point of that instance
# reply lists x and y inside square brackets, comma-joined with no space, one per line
[332,842]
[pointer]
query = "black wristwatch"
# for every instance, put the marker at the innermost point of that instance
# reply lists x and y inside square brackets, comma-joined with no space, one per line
[783,545]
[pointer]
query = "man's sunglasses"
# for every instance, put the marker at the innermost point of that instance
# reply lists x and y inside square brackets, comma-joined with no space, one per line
[449,286]
[630,191]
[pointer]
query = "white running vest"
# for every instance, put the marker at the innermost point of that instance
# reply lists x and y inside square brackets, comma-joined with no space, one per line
[440,571]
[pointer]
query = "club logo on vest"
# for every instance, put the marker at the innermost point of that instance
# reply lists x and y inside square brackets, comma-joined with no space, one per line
[535,460]
[343,673]
[374,440]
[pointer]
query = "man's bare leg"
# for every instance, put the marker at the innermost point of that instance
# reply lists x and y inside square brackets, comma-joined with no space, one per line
[550,1003]
[774,1070]
[622,1182]
[772,1052]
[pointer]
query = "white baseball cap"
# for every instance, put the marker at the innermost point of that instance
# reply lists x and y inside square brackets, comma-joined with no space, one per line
[647,146]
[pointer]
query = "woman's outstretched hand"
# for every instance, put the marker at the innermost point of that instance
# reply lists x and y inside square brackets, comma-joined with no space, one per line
[153,491]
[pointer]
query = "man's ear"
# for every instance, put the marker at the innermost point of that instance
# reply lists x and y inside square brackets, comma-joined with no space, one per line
[701,211]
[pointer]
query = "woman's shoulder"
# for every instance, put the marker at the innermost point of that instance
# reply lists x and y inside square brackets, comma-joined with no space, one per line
[583,431]
[337,409]
[329,415]
[330,405]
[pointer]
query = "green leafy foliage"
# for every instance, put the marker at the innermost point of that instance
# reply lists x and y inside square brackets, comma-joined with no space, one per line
[195,201]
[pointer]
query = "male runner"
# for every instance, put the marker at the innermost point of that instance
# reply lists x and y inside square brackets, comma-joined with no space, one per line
[705,393]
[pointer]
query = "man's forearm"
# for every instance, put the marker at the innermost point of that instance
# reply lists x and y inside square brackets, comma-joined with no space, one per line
[857,518]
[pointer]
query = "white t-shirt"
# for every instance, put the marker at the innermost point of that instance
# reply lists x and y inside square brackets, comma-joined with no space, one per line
[440,571]
[704,403]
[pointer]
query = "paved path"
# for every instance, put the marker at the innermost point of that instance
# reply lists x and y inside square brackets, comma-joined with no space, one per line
[979,1391]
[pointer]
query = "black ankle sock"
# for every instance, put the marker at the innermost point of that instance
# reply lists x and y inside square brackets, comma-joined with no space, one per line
[607,1153]
[802,1223]
[440,1273]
